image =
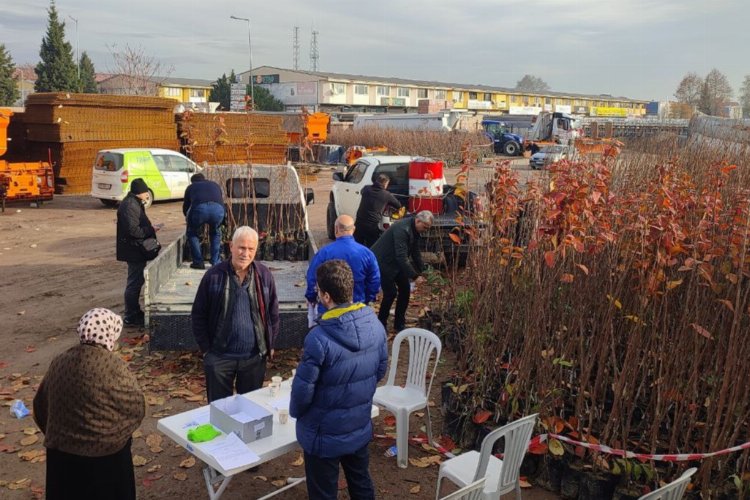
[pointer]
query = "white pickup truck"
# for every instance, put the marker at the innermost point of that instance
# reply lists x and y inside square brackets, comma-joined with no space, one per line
[346,196]
[268,198]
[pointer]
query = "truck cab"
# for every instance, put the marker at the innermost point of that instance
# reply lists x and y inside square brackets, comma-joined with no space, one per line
[348,185]
[503,140]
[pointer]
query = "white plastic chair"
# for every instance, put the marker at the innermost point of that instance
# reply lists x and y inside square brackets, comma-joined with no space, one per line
[472,491]
[502,475]
[674,490]
[403,400]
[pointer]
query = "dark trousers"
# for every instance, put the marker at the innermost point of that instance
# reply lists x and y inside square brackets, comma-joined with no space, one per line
[133,287]
[366,236]
[322,476]
[210,213]
[394,288]
[90,478]
[223,375]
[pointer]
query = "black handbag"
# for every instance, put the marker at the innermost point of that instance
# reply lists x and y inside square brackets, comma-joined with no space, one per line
[150,248]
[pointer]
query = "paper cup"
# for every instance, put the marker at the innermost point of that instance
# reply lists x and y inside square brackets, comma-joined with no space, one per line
[274,388]
[276,380]
[283,415]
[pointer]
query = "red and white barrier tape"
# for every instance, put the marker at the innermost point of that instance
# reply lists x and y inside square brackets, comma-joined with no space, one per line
[662,457]
[674,457]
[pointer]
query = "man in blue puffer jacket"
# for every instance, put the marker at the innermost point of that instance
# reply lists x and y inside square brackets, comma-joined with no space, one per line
[344,357]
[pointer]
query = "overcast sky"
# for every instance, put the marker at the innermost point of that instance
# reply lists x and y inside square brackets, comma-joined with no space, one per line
[634,48]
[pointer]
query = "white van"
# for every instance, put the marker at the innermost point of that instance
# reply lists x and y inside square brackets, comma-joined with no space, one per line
[166,173]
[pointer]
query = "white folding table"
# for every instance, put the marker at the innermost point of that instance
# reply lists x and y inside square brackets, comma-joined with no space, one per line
[282,440]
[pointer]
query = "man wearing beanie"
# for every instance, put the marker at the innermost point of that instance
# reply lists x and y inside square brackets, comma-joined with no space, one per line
[133,227]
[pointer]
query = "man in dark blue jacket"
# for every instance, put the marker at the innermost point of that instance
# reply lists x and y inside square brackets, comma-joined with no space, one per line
[235,319]
[344,357]
[361,260]
[203,204]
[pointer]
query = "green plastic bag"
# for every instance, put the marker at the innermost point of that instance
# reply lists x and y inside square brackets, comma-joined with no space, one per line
[202,433]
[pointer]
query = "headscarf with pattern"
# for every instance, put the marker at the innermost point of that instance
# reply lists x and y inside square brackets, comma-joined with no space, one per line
[100,326]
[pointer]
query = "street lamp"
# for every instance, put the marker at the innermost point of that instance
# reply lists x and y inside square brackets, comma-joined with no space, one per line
[250,50]
[78,58]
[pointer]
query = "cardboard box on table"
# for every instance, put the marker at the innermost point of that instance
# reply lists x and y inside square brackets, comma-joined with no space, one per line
[247,419]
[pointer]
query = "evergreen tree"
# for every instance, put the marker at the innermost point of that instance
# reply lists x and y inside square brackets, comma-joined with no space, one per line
[264,100]
[88,75]
[221,90]
[57,70]
[8,90]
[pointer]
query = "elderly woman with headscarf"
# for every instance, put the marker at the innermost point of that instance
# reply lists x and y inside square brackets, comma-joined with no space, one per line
[88,406]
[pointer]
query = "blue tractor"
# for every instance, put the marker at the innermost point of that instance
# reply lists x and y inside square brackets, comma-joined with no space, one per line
[503,141]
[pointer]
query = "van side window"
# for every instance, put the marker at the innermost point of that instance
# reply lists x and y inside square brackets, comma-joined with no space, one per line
[161,164]
[179,164]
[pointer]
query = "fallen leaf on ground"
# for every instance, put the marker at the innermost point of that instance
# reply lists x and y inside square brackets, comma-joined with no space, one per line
[153,441]
[389,420]
[29,456]
[20,484]
[262,478]
[524,483]
[29,431]
[415,489]
[138,433]
[9,448]
[180,476]
[279,482]
[149,480]
[29,440]
[426,461]
[139,461]
[187,463]
[299,461]
[154,468]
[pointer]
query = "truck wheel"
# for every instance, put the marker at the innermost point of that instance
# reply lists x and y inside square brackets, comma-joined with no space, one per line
[511,148]
[108,203]
[330,221]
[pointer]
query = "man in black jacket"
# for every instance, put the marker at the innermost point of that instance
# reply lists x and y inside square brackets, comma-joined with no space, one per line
[375,199]
[235,319]
[203,204]
[133,227]
[400,261]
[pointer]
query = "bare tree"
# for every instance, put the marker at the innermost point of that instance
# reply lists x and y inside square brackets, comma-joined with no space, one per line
[745,96]
[689,89]
[140,73]
[532,83]
[715,93]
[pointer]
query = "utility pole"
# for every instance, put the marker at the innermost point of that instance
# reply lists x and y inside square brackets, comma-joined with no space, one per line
[314,55]
[78,57]
[250,50]
[295,48]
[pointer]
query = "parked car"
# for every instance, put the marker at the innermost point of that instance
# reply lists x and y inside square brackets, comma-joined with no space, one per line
[167,174]
[549,155]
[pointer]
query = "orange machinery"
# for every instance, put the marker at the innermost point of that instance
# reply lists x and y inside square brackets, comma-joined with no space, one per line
[33,181]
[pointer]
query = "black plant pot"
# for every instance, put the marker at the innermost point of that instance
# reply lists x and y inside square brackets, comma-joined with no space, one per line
[625,493]
[597,486]
[551,473]
[570,483]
